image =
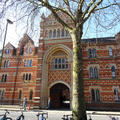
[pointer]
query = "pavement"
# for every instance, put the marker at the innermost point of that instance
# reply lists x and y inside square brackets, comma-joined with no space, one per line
[55,114]
[19,108]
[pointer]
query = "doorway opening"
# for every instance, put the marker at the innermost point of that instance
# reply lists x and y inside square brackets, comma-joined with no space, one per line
[60,96]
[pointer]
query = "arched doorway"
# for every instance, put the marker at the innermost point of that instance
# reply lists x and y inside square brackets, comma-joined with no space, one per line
[60,96]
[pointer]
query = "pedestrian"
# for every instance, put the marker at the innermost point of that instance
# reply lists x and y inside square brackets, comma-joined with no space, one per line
[24,103]
[48,103]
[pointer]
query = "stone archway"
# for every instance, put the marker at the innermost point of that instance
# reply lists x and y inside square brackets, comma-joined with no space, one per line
[60,96]
[44,94]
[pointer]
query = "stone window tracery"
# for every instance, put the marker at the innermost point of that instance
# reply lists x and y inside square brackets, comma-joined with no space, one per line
[59,63]
[113,71]
[110,51]
[93,72]
[95,95]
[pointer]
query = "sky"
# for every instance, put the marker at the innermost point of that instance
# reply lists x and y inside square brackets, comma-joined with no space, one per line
[15,33]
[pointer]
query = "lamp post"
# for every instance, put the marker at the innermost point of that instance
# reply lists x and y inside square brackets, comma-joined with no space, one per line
[8,22]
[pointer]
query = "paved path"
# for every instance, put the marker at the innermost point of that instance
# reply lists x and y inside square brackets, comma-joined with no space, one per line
[57,114]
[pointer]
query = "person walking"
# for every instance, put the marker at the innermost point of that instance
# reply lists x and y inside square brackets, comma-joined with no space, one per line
[48,103]
[24,103]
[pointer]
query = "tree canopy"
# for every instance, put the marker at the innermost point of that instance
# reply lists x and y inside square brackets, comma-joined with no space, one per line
[105,13]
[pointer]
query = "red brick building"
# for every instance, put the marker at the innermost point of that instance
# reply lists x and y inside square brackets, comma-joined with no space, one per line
[46,71]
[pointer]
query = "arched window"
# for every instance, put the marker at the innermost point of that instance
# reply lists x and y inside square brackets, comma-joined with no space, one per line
[59,63]
[30,63]
[27,50]
[30,76]
[2,94]
[66,63]
[62,34]
[116,94]
[5,64]
[23,76]
[94,53]
[89,53]
[54,33]
[113,72]
[26,76]
[20,94]
[92,95]
[91,73]
[31,95]
[3,77]
[95,72]
[110,51]
[97,95]
[63,63]
[67,33]
[30,50]
[22,51]
[56,63]
[58,33]
[50,34]
[25,63]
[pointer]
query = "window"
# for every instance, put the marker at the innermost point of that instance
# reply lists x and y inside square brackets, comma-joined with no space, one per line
[93,72]
[7,51]
[62,34]
[27,50]
[26,77]
[110,51]
[96,72]
[116,94]
[50,34]
[30,50]
[4,78]
[22,51]
[25,63]
[31,95]
[54,33]
[95,95]
[30,76]
[23,76]
[30,63]
[113,72]
[94,53]
[67,33]
[6,64]
[91,53]
[2,94]
[59,63]
[20,94]
[58,33]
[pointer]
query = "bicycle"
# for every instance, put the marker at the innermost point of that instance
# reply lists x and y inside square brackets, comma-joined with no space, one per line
[42,116]
[5,116]
[21,117]
[67,117]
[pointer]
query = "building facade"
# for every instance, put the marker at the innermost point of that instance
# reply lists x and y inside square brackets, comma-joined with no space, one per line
[45,71]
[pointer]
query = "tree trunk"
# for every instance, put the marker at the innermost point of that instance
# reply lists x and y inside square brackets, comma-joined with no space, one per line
[78,100]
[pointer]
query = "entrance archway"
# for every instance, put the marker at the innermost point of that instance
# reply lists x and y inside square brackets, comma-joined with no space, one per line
[60,96]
